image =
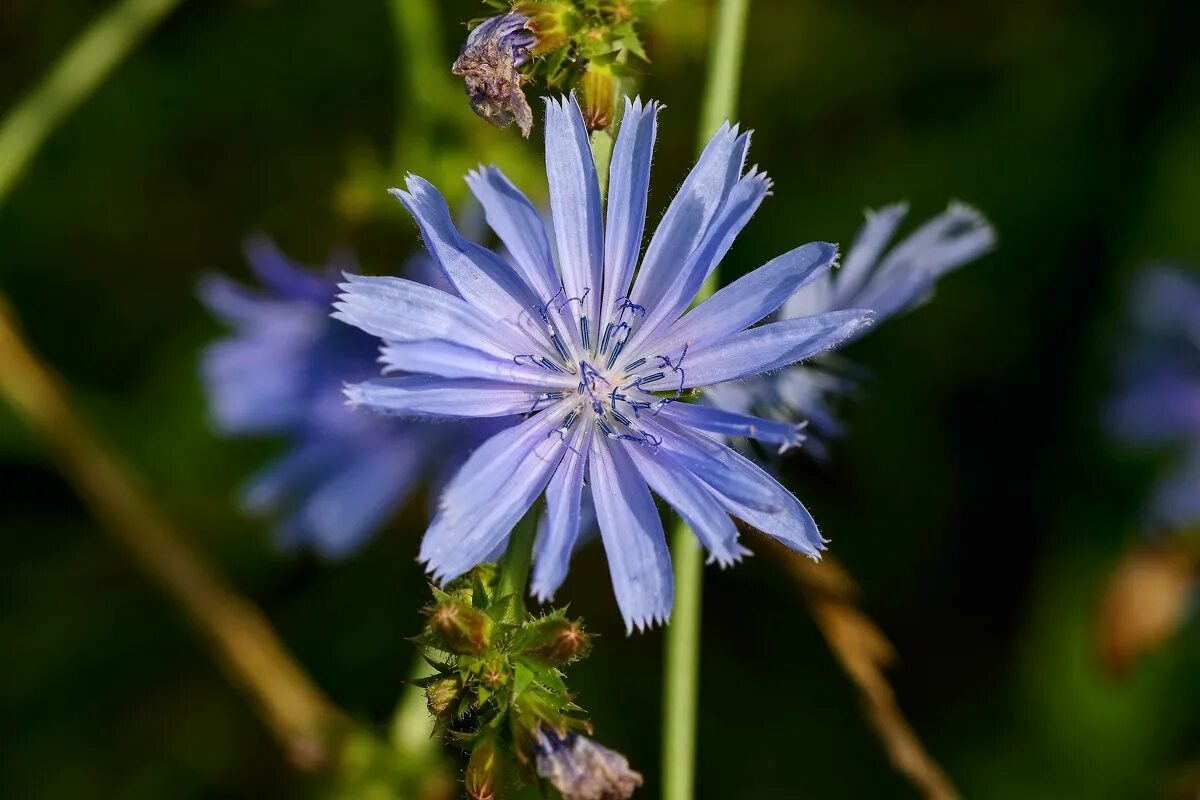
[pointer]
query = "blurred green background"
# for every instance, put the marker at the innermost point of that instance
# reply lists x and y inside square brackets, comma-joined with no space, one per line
[976,499]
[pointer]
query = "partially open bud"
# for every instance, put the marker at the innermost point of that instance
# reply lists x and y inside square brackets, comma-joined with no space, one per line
[484,777]
[461,628]
[441,695]
[1146,601]
[581,769]
[553,641]
[598,95]
[488,65]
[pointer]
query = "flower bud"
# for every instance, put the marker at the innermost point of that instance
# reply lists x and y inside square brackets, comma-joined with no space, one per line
[441,694]
[484,769]
[598,96]
[461,628]
[553,641]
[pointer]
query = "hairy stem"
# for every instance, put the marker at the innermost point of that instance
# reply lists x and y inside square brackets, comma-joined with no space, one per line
[682,662]
[304,721]
[75,76]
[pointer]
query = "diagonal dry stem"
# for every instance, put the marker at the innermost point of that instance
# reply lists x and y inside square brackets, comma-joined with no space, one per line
[864,653]
[304,721]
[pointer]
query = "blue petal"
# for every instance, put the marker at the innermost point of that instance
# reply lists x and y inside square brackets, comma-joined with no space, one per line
[453,360]
[519,225]
[418,396]
[286,278]
[633,537]
[764,348]
[695,503]
[907,274]
[728,423]
[710,460]
[490,494]
[563,518]
[791,524]
[628,186]
[341,512]
[870,242]
[399,310]
[750,298]
[689,215]
[742,203]
[575,203]
[480,276]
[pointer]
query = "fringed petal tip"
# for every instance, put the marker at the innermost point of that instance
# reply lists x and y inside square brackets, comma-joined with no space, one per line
[798,442]
[641,624]
[730,557]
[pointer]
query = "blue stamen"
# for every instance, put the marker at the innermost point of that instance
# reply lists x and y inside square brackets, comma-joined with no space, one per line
[632,365]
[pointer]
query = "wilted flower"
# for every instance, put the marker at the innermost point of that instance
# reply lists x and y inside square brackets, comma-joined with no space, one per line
[597,359]
[562,45]
[1159,403]
[582,769]
[885,283]
[488,64]
[281,372]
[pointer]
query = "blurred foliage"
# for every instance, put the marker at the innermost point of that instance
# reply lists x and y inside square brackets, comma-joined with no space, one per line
[976,500]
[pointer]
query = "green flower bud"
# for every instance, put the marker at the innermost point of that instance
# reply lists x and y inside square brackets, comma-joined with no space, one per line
[598,96]
[484,777]
[461,628]
[441,694]
[553,641]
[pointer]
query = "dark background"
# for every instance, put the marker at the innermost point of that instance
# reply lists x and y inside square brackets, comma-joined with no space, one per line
[976,500]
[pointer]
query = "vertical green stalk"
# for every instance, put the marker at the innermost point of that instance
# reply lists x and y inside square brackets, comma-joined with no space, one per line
[682,662]
[75,76]
[514,565]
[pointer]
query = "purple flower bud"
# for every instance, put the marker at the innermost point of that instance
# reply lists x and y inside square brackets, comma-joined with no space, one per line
[581,769]
[488,64]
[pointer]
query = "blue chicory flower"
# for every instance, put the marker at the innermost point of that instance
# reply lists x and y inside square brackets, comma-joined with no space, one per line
[1159,403]
[886,281]
[596,358]
[281,372]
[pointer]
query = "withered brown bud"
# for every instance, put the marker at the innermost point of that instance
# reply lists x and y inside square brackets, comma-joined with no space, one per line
[488,64]
[461,628]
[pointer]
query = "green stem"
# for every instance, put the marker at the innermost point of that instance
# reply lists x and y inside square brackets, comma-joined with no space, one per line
[682,667]
[76,75]
[682,662]
[725,66]
[514,565]
[602,147]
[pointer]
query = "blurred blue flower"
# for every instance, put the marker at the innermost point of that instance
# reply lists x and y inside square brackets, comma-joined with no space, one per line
[596,359]
[1159,402]
[281,372]
[886,283]
[581,768]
